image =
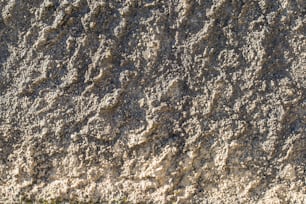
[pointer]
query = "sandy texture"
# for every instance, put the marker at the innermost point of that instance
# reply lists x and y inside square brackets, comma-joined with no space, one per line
[143,101]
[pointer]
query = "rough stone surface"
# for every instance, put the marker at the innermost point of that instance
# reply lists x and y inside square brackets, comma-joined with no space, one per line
[142,101]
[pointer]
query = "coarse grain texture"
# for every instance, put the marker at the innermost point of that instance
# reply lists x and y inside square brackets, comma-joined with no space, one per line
[153,101]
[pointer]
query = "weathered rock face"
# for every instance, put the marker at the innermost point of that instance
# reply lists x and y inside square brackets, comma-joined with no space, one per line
[153,101]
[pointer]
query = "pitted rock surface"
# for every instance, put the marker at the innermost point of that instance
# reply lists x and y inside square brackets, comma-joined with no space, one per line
[153,101]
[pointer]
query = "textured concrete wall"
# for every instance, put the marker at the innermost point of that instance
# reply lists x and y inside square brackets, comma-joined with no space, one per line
[139,101]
